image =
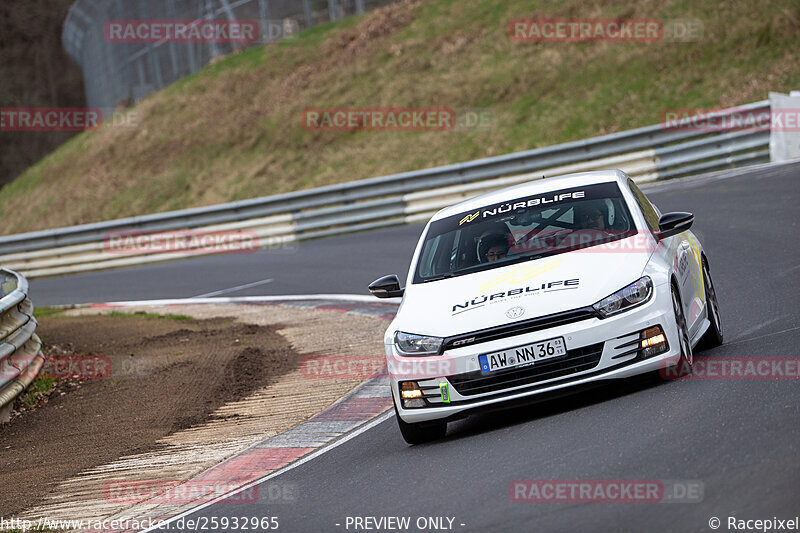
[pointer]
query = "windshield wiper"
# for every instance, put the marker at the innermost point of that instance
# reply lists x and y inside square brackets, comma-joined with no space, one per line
[532,257]
[437,278]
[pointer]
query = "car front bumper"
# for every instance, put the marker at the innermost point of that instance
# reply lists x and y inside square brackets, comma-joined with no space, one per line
[594,354]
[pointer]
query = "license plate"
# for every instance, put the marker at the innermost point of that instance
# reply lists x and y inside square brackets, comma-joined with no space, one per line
[525,355]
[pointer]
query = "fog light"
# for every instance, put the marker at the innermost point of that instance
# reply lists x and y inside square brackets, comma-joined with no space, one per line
[411,394]
[409,390]
[654,341]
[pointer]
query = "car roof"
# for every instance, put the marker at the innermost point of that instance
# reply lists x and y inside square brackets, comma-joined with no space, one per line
[536,186]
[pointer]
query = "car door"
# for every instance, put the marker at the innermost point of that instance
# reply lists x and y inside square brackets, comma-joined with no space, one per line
[695,297]
[685,275]
[678,251]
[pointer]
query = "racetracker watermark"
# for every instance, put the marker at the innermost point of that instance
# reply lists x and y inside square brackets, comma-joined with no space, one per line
[65,119]
[605,491]
[58,367]
[181,31]
[592,241]
[184,242]
[379,119]
[787,120]
[396,119]
[734,369]
[104,525]
[77,367]
[167,491]
[535,30]
[358,367]
[416,368]
[361,367]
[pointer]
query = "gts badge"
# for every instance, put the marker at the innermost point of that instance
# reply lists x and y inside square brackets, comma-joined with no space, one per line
[462,342]
[470,218]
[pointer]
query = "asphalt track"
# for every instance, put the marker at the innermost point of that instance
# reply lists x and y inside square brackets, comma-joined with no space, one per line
[740,439]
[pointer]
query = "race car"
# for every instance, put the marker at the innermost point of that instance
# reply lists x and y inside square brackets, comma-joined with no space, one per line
[535,289]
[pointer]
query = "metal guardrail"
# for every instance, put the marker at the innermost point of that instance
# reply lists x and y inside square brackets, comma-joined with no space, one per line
[648,153]
[21,358]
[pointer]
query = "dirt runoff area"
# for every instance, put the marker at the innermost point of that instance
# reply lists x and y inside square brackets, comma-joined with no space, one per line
[138,379]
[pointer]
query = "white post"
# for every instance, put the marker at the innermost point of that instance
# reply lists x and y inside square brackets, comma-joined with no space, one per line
[784,137]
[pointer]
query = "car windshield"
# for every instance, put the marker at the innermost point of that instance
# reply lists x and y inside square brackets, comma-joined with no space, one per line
[523,229]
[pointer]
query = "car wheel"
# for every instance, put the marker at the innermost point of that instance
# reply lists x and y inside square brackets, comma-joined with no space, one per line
[421,432]
[713,335]
[686,360]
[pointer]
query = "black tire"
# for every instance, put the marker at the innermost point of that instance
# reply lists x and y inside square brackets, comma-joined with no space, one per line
[421,432]
[713,336]
[686,360]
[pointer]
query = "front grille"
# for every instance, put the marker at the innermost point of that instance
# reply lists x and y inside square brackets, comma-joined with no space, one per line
[518,328]
[577,360]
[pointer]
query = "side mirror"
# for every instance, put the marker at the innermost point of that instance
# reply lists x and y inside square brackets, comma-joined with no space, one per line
[386,287]
[673,223]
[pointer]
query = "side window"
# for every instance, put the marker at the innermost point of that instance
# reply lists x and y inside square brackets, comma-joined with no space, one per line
[426,266]
[649,212]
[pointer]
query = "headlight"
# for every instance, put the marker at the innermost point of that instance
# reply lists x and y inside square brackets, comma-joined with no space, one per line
[634,294]
[410,344]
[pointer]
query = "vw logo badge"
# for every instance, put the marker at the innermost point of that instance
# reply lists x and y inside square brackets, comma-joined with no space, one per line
[515,312]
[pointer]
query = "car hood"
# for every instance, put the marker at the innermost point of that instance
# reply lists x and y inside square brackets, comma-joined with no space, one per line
[516,292]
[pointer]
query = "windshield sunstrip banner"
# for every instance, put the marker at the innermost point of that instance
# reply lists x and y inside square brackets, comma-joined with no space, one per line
[599,191]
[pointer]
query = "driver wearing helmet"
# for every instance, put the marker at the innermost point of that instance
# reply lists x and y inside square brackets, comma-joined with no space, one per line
[590,215]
